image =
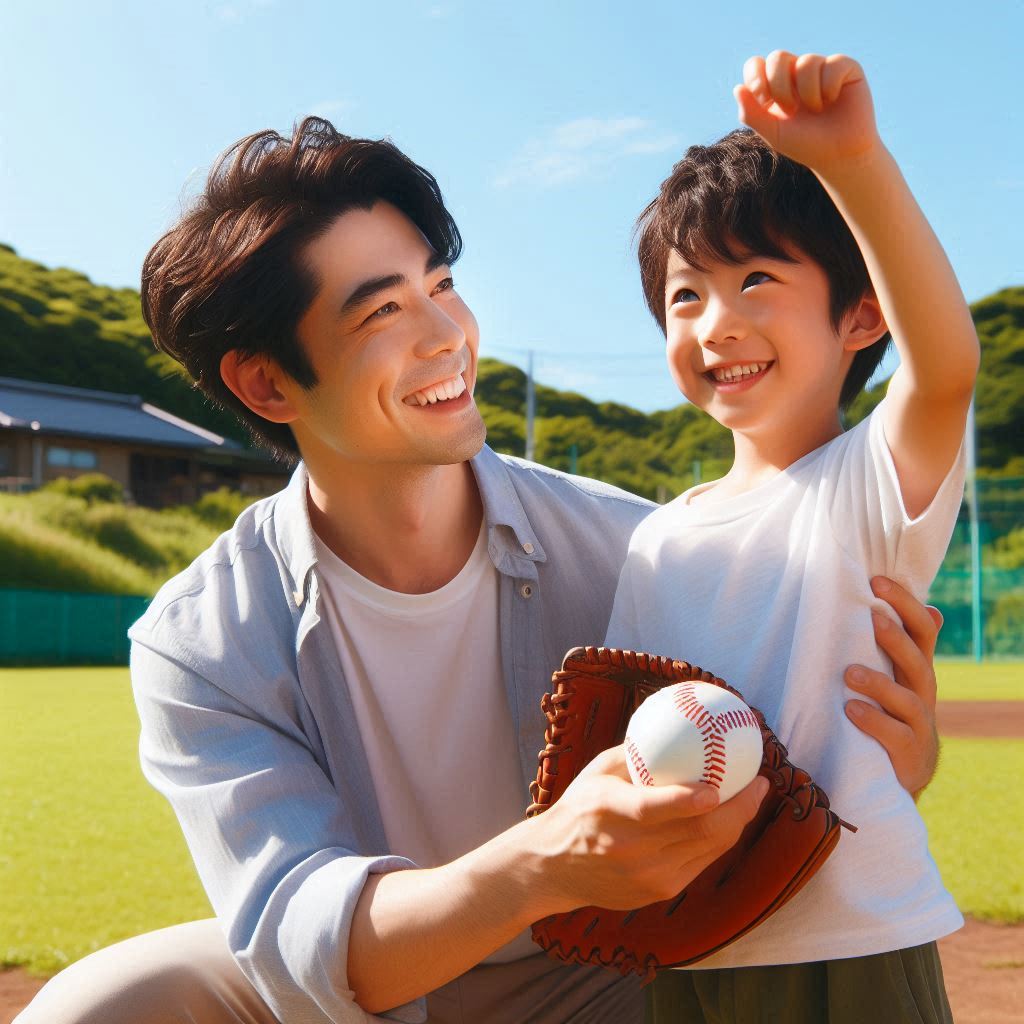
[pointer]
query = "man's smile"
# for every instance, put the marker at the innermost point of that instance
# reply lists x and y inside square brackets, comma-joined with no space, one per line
[447,390]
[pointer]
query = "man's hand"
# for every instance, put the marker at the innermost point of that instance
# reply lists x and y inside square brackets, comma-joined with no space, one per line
[609,843]
[904,723]
[815,110]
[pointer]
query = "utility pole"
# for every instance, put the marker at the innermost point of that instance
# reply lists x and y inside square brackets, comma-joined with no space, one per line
[529,405]
[977,638]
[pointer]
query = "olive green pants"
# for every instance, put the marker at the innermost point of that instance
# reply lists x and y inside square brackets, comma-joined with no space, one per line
[902,987]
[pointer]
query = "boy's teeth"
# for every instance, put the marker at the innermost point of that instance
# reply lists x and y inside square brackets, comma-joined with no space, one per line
[729,373]
[438,392]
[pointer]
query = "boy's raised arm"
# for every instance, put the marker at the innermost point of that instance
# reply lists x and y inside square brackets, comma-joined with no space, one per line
[818,111]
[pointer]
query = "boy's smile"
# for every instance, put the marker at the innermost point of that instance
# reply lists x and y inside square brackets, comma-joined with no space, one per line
[737,376]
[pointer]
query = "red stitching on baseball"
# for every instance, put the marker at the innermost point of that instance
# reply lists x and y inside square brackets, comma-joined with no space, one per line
[637,760]
[712,729]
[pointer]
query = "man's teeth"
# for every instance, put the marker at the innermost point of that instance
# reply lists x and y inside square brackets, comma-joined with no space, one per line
[729,373]
[438,392]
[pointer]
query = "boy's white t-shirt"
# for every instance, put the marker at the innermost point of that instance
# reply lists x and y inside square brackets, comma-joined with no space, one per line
[770,590]
[424,673]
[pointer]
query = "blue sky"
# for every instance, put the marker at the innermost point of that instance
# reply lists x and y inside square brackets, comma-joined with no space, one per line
[549,126]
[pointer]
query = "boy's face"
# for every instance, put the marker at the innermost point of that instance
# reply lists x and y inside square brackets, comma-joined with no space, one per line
[752,344]
[393,345]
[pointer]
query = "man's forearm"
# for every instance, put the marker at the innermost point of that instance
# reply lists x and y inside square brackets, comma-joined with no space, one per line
[415,930]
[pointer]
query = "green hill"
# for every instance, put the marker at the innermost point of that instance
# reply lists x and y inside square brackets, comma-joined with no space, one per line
[58,326]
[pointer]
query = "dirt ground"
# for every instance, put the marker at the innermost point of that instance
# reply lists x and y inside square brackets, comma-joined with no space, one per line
[983,963]
[996,719]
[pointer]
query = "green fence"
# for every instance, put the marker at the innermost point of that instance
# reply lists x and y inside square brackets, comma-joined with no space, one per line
[43,627]
[993,602]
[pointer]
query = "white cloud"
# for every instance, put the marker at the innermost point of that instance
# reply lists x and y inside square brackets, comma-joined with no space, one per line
[579,148]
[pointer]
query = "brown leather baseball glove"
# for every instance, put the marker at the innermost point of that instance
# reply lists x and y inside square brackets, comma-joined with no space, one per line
[594,695]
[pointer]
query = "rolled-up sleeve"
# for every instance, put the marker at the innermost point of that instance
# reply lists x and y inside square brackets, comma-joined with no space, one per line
[267,833]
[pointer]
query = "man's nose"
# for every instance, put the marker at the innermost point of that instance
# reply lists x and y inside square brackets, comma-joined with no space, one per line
[438,332]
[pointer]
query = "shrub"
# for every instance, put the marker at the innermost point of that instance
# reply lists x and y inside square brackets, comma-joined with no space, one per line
[92,487]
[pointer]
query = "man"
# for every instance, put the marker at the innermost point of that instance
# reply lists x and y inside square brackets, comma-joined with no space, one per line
[340,697]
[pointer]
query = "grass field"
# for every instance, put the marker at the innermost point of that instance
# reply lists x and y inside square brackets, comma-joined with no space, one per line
[991,680]
[90,854]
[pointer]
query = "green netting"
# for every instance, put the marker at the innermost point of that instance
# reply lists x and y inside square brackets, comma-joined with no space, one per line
[1000,584]
[43,627]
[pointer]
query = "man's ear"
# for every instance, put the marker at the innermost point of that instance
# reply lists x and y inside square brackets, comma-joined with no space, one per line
[256,382]
[864,324]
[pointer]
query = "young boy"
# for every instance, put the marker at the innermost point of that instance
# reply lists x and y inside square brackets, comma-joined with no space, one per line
[777,261]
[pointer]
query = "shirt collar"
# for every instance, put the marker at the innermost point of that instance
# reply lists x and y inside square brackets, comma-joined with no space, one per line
[511,539]
[503,508]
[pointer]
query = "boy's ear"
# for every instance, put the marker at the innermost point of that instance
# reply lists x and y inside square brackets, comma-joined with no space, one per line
[864,324]
[256,382]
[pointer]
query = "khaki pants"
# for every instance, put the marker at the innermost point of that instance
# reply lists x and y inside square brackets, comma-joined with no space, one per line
[901,987]
[186,975]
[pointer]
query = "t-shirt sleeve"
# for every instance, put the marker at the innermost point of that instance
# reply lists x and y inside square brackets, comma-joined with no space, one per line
[868,515]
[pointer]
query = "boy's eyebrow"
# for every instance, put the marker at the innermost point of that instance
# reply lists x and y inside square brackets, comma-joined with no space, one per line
[374,285]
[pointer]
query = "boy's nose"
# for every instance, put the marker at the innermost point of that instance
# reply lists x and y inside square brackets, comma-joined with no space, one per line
[719,324]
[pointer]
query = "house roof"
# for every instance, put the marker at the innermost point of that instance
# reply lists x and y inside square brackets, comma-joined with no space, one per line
[99,415]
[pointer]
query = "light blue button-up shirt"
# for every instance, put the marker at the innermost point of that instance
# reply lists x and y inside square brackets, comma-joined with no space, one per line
[248,728]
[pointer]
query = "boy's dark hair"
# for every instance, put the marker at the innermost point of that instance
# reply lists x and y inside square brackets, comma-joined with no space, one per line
[740,197]
[230,275]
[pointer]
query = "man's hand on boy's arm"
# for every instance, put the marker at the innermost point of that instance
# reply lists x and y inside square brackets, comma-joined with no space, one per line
[607,842]
[818,111]
[904,723]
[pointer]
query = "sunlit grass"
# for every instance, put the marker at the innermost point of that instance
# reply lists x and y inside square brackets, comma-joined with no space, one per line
[90,854]
[990,680]
[975,815]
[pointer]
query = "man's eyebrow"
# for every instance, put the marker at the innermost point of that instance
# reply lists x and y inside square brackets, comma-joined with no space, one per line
[369,288]
[374,285]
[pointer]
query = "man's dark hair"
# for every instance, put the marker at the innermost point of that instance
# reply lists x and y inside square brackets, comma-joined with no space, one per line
[738,198]
[230,274]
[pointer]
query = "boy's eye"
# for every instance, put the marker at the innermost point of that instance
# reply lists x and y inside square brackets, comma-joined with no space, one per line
[684,295]
[757,277]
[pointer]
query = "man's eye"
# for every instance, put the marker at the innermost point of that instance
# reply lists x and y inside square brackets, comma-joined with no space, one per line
[684,295]
[379,314]
[445,285]
[757,277]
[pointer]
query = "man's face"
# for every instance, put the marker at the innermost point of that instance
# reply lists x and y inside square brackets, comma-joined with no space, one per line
[393,345]
[752,344]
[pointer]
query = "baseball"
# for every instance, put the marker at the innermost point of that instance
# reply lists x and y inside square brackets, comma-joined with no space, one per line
[694,732]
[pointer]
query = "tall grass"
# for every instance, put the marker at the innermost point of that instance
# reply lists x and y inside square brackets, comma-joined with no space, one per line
[79,535]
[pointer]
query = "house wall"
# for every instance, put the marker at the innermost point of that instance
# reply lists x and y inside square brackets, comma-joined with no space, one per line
[150,474]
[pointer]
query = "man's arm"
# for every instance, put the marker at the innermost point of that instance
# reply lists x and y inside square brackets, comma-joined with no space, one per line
[818,110]
[606,842]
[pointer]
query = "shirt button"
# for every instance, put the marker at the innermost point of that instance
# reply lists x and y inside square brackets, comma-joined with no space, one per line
[526,590]
[528,548]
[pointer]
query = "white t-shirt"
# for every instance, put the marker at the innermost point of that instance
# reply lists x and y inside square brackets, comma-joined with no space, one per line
[770,590]
[424,672]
